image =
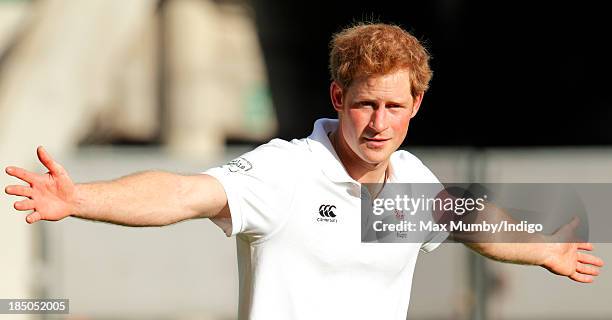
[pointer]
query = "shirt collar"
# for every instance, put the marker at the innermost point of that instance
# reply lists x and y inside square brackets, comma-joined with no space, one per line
[324,152]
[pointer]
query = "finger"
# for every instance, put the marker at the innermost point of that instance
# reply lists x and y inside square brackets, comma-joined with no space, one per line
[24,205]
[590,259]
[585,246]
[22,174]
[587,269]
[33,217]
[17,190]
[47,161]
[567,231]
[574,223]
[579,277]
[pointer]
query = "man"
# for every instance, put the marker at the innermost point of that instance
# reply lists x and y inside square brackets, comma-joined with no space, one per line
[294,207]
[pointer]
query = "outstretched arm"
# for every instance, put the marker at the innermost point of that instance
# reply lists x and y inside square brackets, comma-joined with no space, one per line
[151,198]
[555,252]
[564,259]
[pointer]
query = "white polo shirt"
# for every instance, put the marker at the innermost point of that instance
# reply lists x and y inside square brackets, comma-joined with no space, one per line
[294,265]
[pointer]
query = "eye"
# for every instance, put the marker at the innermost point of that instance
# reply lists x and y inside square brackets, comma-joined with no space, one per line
[393,106]
[365,104]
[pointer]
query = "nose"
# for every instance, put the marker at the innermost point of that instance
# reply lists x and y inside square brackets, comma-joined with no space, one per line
[378,122]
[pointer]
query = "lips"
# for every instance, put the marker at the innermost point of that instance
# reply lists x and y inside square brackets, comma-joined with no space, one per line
[377,139]
[376,142]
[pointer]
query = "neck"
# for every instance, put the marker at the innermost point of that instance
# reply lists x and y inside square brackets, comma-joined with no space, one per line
[361,171]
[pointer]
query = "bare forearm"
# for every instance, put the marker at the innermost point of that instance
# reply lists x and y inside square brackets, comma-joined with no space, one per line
[506,246]
[552,252]
[150,198]
[518,253]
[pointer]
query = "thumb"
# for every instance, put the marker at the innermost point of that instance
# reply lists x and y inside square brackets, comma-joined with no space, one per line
[47,161]
[568,230]
[574,223]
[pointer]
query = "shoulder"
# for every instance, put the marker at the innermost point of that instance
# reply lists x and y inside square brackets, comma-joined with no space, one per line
[276,149]
[409,168]
[274,157]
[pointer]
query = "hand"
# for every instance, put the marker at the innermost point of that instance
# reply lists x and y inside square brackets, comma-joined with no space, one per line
[565,259]
[52,195]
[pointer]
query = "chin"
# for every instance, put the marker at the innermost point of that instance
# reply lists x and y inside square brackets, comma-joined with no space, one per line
[375,156]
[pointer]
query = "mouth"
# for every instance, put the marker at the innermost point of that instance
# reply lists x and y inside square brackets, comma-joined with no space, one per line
[376,142]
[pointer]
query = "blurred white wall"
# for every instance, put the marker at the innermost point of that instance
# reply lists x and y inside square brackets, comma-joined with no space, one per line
[13,18]
[217,84]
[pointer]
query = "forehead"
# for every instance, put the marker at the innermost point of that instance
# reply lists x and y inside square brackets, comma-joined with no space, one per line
[390,85]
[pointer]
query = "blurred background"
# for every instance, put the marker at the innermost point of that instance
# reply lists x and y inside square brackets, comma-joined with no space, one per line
[519,94]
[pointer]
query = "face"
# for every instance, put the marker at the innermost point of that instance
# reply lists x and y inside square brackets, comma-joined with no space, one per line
[374,114]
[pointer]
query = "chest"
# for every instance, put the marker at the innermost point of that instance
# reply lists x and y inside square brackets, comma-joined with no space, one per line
[325,228]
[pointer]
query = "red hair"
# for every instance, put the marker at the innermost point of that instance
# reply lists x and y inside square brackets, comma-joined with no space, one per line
[377,49]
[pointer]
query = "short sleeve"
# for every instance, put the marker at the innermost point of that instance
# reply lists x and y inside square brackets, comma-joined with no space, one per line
[434,241]
[434,238]
[407,168]
[259,186]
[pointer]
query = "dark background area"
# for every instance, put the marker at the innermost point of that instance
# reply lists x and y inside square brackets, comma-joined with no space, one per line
[506,73]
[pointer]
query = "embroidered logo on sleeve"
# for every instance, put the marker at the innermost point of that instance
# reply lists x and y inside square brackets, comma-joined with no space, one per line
[239,164]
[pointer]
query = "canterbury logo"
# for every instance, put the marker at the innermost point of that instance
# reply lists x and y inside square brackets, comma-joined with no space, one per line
[326,210]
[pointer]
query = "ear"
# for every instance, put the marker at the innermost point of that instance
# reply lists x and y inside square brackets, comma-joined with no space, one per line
[416,104]
[337,96]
